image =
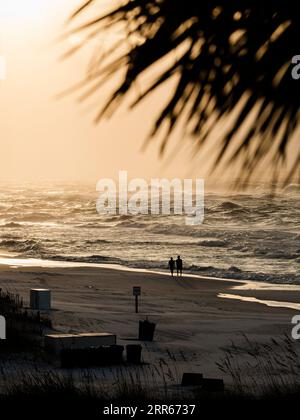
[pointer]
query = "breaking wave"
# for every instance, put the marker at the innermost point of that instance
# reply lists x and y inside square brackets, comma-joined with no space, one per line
[251,237]
[21,246]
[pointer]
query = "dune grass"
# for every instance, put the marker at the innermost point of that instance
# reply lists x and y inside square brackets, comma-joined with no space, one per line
[24,327]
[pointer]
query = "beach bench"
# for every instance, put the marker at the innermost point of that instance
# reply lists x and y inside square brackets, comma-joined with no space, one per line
[58,342]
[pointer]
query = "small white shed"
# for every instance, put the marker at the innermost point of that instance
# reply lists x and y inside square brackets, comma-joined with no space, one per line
[40,299]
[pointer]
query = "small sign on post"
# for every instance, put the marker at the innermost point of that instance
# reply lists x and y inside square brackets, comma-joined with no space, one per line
[136,291]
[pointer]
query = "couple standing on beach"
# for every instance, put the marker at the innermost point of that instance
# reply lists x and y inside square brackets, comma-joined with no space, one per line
[178,263]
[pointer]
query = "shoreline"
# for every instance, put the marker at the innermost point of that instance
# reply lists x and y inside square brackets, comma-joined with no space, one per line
[239,284]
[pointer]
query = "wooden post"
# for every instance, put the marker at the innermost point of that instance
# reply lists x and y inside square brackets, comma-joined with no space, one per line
[136,291]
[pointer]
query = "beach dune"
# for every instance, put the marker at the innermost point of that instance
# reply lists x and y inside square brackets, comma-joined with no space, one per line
[194,324]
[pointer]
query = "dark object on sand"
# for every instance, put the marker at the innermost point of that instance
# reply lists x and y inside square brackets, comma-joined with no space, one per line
[40,299]
[212,385]
[146,330]
[93,356]
[191,379]
[134,353]
[57,342]
[206,384]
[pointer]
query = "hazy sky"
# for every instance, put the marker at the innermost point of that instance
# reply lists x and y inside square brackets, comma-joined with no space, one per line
[46,139]
[43,138]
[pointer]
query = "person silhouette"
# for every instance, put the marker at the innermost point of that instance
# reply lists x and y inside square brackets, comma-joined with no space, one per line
[171,265]
[179,265]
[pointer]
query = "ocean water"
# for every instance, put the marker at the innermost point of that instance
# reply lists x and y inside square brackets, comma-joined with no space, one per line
[244,236]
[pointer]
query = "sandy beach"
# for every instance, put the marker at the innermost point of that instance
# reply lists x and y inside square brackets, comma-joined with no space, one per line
[193,322]
[139,139]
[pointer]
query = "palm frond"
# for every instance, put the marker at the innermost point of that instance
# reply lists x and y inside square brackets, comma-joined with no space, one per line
[225,55]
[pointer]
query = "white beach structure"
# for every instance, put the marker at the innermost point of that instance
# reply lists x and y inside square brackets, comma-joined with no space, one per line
[40,299]
[58,342]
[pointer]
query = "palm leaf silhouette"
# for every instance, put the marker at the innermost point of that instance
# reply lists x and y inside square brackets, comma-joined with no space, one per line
[233,60]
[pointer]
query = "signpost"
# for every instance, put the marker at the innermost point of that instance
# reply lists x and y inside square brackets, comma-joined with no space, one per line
[136,291]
